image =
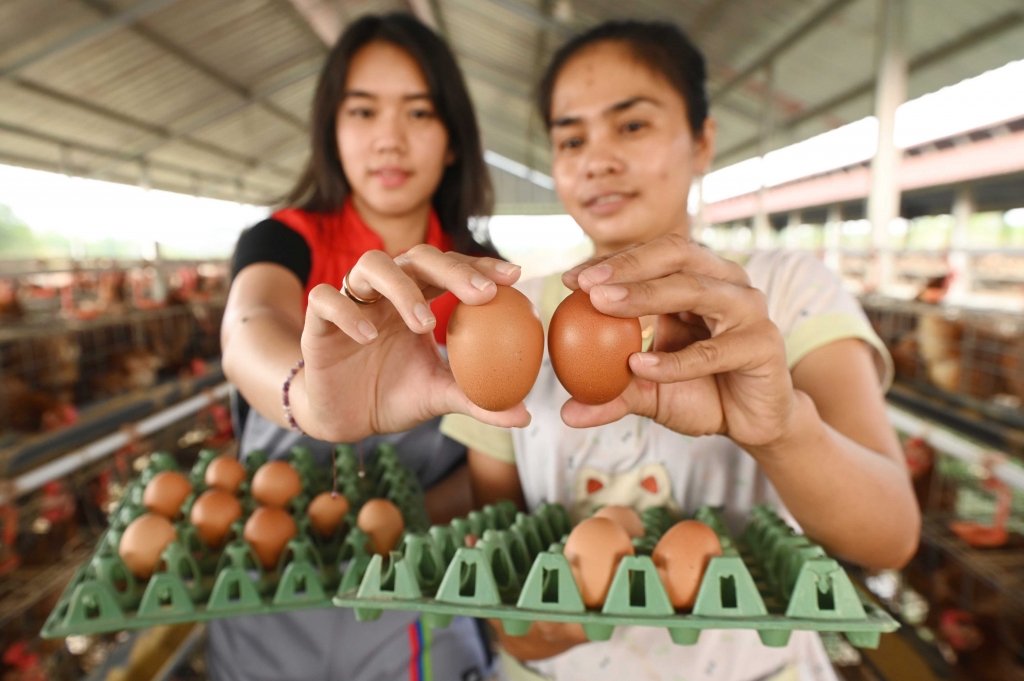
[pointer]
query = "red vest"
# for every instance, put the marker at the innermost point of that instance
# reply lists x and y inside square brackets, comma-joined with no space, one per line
[337,240]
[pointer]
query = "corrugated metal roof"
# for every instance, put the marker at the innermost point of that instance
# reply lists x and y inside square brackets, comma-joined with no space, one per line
[212,97]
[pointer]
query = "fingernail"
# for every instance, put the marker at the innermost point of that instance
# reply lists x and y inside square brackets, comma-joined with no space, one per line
[614,293]
[481,282]
[368,330]
[424,314]
[598,273]
[647,359]
[507,267]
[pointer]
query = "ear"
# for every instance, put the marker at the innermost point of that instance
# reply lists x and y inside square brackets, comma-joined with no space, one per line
[704,147]
[449,157]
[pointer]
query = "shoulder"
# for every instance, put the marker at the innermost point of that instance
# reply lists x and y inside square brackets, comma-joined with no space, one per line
[272,241]
[773,269]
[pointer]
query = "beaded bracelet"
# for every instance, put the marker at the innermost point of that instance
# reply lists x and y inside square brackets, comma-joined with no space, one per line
[285,401]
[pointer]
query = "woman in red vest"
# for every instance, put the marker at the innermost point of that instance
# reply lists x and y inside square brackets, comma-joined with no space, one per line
[396,164]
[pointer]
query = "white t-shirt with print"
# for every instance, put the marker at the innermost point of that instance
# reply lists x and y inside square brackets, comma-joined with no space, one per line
[639,463]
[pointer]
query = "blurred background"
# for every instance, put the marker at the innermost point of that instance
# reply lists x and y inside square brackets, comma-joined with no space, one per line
[139,137]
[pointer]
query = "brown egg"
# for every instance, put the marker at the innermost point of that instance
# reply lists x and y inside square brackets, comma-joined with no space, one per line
[166,492]
[382,521]
[226,473]
[143,542]
[495,349]
[276,483]
[681,556]
[268,530]
[624,516]
[590,350]
[326,512]
[594,548]
[212,515]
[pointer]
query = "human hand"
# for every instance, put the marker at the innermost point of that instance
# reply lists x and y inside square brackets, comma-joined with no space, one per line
[718,364]
[374,368]
[542,639]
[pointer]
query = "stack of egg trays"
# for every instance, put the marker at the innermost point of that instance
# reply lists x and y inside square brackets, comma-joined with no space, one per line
[770,579]
[196,583]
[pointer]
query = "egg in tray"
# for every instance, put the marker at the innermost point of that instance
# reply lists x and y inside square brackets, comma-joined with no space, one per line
[221,541]
[619,568]
[228,538]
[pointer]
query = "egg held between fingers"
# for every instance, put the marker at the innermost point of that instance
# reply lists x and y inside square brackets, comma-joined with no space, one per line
[590,350]
[495,349]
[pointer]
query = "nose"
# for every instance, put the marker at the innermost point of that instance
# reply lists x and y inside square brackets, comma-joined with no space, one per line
[389,133]
[602,159]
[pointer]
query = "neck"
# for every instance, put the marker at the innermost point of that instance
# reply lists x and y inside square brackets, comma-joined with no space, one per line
[398,232]
[607,248]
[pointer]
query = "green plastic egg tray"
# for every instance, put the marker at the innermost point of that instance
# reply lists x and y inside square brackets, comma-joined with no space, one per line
[196,583]
[770,579]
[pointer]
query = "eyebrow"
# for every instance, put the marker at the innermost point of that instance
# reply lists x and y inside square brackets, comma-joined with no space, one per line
[416,96]
[617,107]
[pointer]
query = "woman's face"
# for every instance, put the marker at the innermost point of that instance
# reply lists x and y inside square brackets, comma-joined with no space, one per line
[391,141]
[624,155]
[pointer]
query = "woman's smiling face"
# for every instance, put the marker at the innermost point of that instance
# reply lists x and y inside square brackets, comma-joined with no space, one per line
[624,154]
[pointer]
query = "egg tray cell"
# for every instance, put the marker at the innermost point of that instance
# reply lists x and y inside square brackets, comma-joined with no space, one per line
[769,579]
[196,583]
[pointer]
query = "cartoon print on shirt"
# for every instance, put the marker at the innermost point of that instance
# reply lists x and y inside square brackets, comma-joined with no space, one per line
[640,488]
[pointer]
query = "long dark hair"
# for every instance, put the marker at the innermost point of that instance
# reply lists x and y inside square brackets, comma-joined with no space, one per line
[660,46]
[465,190]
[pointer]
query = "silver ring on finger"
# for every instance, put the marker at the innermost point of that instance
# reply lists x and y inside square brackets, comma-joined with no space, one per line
[347,290]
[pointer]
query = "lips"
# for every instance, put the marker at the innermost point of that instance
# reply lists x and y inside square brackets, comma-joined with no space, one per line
[391,177]
[607,202]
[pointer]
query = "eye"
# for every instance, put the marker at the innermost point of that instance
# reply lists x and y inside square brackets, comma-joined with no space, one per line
[569,143]
[364,112]
[422,113]
[634,126]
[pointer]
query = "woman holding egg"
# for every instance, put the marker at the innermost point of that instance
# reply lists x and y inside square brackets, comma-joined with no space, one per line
[760,384]
[396,167]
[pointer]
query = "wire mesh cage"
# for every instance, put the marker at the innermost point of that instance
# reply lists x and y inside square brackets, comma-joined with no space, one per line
[48,371]
[957,354]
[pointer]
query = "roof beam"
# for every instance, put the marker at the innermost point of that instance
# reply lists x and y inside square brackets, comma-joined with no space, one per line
[110,24]
[1006,22]
[109,153]
[259,94]
[785,43]
[148,128]
[212,73]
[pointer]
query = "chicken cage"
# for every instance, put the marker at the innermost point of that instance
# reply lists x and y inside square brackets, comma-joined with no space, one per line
[76,333]
[966,359]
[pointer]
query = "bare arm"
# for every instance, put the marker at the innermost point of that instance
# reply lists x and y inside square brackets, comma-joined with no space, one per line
[260,335]
[493,480]
[841,471]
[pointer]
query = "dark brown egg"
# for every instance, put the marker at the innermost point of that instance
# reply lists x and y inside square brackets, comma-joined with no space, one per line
[276,483]
[495,349]
[226,473]
[268,530]
[590,350]
[144,541]
[594,548]
[326,512]
[382,522]
[625,517]
[166,492]
[681,556]
[212,515]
